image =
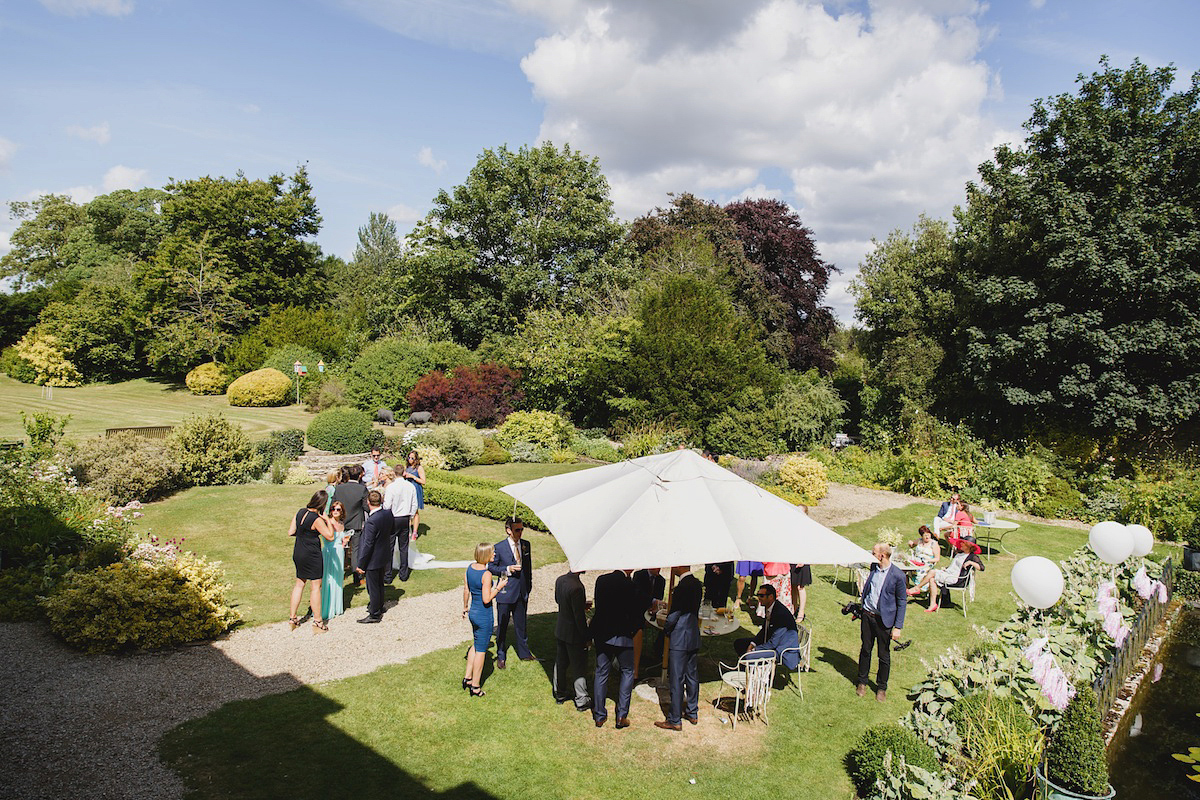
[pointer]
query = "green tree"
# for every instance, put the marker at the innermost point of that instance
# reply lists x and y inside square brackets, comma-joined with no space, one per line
[691,353]
[260,229]
[47,226]
[373,286]
[905,298]
[529,229]
[97,331]
[1081,262]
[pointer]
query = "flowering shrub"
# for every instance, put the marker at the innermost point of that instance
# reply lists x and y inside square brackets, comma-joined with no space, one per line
[158,598]
[804,476]
[460,444]
[432,458]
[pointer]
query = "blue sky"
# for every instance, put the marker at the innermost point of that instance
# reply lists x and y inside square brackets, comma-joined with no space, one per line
[861,115]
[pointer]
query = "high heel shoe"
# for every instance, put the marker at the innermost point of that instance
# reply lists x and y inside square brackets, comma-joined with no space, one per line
[294,622]
[932,609]
[466,684]
[320,627]
[476,691]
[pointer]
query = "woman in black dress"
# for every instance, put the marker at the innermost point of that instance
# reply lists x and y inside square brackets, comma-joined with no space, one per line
[309,527]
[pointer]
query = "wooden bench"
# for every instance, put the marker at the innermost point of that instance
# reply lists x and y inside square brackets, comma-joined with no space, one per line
[148,431]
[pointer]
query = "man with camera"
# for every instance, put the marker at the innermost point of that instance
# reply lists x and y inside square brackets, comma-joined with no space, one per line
[883,602]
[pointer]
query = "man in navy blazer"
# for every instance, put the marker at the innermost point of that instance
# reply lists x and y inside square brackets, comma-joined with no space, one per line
[778,632]
[883,600]
[616,620]
[683,628]
[512,557]
[374,554]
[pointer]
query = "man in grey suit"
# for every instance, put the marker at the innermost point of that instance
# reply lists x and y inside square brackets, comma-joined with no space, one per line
[683,628]
[571,631]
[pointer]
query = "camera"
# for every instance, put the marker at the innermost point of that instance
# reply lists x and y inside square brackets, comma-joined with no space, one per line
[855,610]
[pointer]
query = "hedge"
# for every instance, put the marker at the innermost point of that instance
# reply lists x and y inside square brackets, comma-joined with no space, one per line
[261,388]
[481,501]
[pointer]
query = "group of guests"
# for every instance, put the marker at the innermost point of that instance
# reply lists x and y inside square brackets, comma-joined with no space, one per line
[361,523]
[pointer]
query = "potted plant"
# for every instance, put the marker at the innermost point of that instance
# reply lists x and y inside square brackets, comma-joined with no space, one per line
[1075,767]
[1191,556]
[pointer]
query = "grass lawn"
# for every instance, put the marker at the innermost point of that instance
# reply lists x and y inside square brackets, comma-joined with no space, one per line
[410,731]
[245,527]
[95,407]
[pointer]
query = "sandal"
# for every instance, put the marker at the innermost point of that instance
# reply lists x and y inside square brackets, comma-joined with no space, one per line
[476,691]
[294,622]
[932,609]
[466,684]
[320,626]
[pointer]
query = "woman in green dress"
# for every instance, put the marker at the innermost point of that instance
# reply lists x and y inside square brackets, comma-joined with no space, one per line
[333,558]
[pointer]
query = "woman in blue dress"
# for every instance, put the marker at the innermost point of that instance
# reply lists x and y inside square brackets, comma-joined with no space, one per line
[478,593]
[414,472]
[333,557]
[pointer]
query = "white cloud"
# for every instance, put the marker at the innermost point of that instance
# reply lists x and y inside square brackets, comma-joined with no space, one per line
[7,150]
[97,133]
[426,159]
[249,108]
[75,8]
[875,114]
[488,26]
[122,177]
[1037,3]
[404,215]
[79,194]
[5,242]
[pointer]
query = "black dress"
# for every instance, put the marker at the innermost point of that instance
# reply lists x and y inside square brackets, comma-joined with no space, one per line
[307,553]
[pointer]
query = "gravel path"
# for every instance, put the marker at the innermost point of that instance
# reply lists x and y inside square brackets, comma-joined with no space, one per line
[76,724]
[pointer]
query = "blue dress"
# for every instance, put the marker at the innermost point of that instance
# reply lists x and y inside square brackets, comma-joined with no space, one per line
[420,489]
[333,577]
[480,613]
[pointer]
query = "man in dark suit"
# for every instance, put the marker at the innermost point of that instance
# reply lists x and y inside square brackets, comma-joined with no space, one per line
[717,580]
[571,631]
[650,585]
[683,630]
[778,632]
[512,557]
[352,494]
[883,600]
[613,626]
[375,555]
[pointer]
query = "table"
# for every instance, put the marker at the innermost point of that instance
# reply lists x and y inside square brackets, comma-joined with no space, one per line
[994,531]
[717,626]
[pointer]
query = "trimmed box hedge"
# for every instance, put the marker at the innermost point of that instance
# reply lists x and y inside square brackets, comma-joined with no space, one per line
[481,500]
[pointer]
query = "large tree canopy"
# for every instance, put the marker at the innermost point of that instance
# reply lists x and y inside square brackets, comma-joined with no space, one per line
[530,229]
[1081,260]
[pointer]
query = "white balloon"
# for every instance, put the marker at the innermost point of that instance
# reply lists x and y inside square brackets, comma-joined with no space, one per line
[1143,540]
[1038,581]
[1111,541]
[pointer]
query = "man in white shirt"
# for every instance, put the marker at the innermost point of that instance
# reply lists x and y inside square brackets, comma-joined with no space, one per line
[400,499]
[373,467]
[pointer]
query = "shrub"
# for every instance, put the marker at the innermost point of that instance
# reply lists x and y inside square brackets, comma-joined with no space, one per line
[1061,501]
[481,498]
[1002,741]
[1187,584]
[483,393]
[1017,481]
[795,498]
[808,410]
[459,443]
[341,430]
[17,367]
[543,429]
[330,393]
[126,467]
[261,388]
[563,457]
[139,604]
[44,431]
[284,359]
[279,469]
[298,476]
[649,439]
[805,476]
[387,370]
[526,453]
[324,331]
[431,458]
[748,430]
[597,448]
[1075,756]
[288,442]
[23,587]
[865,761]
[210,378]
[493,453]
[212,451]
